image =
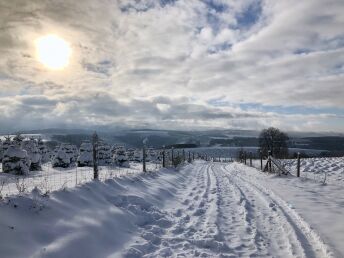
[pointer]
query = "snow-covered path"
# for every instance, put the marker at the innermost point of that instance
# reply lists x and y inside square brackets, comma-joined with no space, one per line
[219,212]
[203,210]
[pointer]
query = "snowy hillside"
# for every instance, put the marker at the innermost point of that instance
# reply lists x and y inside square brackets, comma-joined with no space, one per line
[203,210]
[329,170]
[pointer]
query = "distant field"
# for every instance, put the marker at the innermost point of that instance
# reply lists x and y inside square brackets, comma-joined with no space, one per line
[232,152]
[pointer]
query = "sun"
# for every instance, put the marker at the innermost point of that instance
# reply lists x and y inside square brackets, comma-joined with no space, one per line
[53,52]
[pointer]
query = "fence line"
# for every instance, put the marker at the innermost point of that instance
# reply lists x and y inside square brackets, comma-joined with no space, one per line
[51,179]
[314,169]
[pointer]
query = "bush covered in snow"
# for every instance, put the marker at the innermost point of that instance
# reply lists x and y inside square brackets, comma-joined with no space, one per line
[75,153]
[54,152]
[5,145]
[121,158]
[16,161]
[85,158]
[17,140]
[130,154]
[43,150]
[138,155]
[114,149]
[152,155]
[64,157]
[32,150]
[104,154]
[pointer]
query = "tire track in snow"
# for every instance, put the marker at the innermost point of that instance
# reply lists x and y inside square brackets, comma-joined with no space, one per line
[202,235]
[236,219]
[264,225]
[304,242]
[218,212]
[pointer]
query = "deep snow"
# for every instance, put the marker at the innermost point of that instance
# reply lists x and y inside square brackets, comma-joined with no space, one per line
[205,209]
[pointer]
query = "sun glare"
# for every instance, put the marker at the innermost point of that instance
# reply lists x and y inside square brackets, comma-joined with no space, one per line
[53,52]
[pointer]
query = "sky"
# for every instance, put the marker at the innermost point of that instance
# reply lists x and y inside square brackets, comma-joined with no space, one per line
[175,64]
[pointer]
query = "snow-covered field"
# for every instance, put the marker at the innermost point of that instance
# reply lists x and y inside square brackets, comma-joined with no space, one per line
[329,169]
[203,210]
[325,170]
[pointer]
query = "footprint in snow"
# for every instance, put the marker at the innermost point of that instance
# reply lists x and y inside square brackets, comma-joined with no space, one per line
[272,206]
[186,202]
[199,212]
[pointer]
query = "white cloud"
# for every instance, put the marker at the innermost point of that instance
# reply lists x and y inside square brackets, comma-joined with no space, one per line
[132,53]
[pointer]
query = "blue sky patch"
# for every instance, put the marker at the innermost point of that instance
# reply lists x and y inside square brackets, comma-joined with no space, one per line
[216,6]
[144,6]
[250,16]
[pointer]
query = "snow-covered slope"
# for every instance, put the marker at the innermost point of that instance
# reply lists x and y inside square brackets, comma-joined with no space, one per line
[203,210]
[328,170]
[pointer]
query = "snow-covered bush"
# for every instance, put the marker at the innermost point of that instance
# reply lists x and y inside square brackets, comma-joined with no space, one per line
[32,150]
[64,156]
[17,140]
[151,155]
[177,161]
[54,152]
[104,154]
[4,146]
[16,161]
[130,154]
[74,153]
[85,158]
[43,150]
[121,158]
[147,155]
[114,149]
[138,155]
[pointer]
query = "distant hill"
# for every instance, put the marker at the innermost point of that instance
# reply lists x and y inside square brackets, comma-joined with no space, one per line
[156,138]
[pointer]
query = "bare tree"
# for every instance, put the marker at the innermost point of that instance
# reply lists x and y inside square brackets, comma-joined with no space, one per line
[274,140]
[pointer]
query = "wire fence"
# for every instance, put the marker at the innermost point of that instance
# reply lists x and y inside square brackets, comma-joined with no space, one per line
[322,170]
[51,179]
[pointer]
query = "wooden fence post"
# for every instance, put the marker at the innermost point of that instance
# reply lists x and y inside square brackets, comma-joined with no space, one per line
[298,164]
[250,159]
[144,158]
[269,163]
[172,156]
[95,161]
[163,158]
[261,160]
